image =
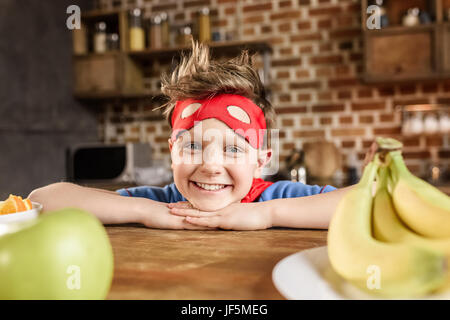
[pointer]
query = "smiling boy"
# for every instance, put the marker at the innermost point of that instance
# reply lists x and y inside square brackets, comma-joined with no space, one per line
[220,142]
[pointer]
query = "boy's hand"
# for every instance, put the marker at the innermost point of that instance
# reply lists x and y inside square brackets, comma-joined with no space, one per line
[236,216]
[159,217]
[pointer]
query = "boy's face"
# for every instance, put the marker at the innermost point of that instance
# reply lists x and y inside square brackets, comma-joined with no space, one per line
[213,166]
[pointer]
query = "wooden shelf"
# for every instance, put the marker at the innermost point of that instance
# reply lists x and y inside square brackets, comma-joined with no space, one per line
[224,46]
[422,107]
[95,54]
[227,47]
[402,29]
[117,95]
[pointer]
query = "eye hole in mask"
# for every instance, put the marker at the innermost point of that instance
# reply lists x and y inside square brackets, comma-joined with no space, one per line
[238,113]
[190,110]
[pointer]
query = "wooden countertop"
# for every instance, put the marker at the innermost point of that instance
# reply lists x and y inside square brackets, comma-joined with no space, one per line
[182,264]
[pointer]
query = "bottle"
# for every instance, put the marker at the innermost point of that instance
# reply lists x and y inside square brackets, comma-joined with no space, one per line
[204,25]
[431,123]
[384,20]
[444,123]
[417,124]
[100,37]
[155,33]
[112,41]
[352,173]
[80,40]
[137,35]
[411,18]
[165,30]
[184,36]
[301,169]
[296,166]
[406,126]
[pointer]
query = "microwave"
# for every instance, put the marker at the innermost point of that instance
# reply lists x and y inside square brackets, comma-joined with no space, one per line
[106,163]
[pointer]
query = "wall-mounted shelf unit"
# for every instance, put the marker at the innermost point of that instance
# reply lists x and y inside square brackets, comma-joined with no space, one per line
[398,53]
[119,74]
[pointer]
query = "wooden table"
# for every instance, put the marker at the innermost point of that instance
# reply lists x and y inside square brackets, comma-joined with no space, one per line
[181,264]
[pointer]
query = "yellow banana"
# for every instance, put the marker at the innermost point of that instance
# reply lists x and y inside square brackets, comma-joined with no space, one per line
[388,227]
[404,270]
[422,207]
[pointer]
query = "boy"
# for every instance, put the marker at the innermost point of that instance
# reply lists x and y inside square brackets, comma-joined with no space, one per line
[220,122]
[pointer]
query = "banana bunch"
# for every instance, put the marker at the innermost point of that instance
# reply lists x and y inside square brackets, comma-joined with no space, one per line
[394,242]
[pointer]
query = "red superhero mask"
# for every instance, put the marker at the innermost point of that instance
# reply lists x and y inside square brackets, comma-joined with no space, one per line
[228,108]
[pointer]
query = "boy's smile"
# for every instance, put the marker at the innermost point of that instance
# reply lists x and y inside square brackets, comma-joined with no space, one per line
[213,166]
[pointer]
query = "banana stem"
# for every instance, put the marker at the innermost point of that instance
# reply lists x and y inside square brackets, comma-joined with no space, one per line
[388,144]
[370,172]
[397,165]
[382,178]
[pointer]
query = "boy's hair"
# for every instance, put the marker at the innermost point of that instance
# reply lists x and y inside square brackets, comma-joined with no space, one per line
[199,77]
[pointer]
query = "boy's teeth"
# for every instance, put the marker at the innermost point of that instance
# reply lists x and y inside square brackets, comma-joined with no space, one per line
[210,186]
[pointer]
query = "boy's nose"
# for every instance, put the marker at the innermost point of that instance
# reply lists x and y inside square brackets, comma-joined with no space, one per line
[212,161]
[212,156]
[209,169]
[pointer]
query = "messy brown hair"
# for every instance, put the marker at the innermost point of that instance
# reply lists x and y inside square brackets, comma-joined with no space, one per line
[197,76]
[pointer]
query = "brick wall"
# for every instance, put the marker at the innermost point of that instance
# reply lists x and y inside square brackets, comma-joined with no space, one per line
[317,62]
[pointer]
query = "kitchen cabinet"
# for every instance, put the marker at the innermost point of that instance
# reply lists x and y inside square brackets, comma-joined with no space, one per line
[401,54]
[104,75]
[398,53]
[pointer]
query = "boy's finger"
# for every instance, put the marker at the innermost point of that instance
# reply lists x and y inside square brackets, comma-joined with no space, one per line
[191,226]
[191,212]
[212,222]
[181,223]
[181,204]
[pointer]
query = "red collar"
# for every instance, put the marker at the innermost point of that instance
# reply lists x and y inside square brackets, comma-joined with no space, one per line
[258,187]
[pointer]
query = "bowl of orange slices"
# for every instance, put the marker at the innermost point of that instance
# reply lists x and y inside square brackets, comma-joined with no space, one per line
[15,209]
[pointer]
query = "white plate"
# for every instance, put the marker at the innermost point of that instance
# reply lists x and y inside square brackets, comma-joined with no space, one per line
[23,215]
[308,275]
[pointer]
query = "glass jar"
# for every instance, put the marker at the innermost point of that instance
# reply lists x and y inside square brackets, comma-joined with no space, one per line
[204,25]
[79,40]
[165,30]
[112,42]
[184,36]
[155,33]
[444,123]
[137,34]
[100,37]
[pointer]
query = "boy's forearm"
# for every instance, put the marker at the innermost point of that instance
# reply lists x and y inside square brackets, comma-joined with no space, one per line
[305,212]
[108,207]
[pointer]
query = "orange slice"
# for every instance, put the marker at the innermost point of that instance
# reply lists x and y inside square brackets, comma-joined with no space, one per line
[28,204]
[14,204]
[9,206]
[20,206]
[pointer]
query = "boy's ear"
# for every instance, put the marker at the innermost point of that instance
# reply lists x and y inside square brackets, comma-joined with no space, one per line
[170,148]
[264,157]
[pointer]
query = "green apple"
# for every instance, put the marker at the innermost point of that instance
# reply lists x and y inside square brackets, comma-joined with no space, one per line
[64,254]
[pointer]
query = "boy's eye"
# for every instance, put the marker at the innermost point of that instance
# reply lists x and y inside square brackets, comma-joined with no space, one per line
[193,146]
[233,149]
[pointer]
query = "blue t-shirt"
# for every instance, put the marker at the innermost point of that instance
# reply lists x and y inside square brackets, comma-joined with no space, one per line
[278,190]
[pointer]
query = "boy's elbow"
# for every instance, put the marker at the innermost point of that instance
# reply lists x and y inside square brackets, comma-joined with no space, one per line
[40,194]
